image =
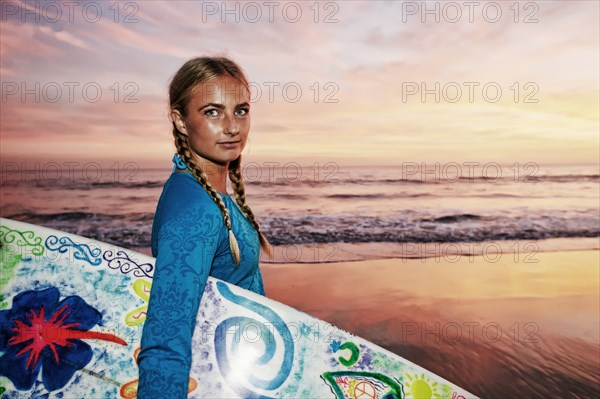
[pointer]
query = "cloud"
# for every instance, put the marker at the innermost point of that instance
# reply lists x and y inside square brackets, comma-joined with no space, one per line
[363,59]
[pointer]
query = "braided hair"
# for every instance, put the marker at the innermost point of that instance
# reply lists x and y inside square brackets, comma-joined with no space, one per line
[239,191]
[191,74]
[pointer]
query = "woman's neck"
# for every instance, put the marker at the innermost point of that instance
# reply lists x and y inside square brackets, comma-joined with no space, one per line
[216,173]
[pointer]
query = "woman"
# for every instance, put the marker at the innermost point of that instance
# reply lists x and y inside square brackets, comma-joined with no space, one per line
[198,229]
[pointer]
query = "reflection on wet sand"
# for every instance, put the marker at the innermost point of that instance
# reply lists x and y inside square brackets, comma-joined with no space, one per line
[500,330]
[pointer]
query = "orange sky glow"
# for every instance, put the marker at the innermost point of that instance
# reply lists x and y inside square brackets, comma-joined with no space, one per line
[378,82]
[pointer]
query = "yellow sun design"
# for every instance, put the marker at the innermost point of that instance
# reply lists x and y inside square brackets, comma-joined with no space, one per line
[421,387]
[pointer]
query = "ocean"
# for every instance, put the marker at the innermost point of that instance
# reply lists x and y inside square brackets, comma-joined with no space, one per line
[328,212]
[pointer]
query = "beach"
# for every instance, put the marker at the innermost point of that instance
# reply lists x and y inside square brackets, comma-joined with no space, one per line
[504,329]
[493,284]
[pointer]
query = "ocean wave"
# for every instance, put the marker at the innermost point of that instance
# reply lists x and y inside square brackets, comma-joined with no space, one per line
[83,185]
[378,196]
[10,181]
[134,230]
[453,218]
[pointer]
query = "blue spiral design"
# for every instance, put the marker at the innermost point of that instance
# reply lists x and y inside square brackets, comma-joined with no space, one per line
[81,251]
[267,337]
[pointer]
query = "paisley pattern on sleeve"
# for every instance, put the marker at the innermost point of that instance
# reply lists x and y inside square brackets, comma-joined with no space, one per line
[187,242]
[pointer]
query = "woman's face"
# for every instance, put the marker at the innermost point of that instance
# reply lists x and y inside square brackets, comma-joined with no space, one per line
[218,120]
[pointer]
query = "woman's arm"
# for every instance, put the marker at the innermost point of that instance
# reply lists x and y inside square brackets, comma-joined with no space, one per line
[187,243]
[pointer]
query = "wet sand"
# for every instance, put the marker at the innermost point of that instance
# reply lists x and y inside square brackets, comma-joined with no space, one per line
[511,328]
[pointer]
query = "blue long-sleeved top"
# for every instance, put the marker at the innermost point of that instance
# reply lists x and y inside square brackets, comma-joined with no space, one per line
[190,242]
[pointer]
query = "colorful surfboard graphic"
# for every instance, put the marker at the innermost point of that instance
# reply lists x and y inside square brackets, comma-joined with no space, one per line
[72,311]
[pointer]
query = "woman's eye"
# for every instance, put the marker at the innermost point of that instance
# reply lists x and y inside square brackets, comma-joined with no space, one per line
[242,111]
[211,112]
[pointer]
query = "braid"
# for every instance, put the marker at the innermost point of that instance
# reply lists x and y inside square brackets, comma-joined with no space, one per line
[183,149]
[239,191]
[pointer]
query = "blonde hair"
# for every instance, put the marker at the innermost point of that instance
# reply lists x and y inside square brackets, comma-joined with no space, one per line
[191,74]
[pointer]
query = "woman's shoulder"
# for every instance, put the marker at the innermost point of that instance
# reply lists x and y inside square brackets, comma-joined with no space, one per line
[184,184]
[183,196]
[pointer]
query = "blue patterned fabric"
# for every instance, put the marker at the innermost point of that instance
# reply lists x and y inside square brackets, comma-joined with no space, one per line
[190,243]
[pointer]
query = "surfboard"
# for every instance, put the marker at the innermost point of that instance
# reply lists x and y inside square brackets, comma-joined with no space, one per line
[72,311]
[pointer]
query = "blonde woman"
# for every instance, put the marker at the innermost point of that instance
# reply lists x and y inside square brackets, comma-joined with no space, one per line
[199,230]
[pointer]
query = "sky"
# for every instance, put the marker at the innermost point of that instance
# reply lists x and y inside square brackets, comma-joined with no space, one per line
[354,82]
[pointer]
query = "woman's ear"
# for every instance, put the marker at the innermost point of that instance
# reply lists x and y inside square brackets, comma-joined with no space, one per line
[177,120]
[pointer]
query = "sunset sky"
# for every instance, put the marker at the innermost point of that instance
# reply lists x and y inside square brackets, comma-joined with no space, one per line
[371,60]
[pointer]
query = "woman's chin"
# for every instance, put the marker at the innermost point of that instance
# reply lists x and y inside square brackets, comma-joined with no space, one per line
[221,158]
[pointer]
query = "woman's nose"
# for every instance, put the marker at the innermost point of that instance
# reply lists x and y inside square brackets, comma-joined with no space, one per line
[231,125]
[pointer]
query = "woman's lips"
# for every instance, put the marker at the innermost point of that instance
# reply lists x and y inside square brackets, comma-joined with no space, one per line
[230,144]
